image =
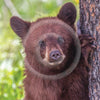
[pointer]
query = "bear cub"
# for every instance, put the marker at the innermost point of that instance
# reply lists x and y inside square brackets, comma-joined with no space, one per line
[52,46]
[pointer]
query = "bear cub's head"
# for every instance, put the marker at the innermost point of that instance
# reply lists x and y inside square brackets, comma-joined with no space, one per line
[48,41]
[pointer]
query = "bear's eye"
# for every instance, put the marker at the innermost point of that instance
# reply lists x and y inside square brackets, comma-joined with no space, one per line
[60,40]
[42,43]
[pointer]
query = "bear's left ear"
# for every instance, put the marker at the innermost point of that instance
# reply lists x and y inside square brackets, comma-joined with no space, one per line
[67,13]
[19,26]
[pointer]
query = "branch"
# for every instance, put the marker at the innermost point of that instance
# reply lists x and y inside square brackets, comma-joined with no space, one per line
[11,7]
[59,2]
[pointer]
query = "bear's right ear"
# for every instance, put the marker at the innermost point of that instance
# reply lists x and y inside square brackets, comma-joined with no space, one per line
[67,13]
[19,26]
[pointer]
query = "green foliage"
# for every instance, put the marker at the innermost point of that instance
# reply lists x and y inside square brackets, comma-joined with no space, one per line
[11,51]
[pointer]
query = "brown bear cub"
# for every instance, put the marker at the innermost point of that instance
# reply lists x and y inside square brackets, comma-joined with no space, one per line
[55,67]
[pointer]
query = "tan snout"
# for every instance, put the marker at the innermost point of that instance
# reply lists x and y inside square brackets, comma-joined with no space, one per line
[53,57]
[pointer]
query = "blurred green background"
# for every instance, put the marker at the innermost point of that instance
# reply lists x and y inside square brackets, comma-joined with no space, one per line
[11,50]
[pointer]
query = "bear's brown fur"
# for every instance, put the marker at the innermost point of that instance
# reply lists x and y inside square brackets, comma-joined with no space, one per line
[46,32]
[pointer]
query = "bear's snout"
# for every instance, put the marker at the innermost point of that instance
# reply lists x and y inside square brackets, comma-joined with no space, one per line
[55,55]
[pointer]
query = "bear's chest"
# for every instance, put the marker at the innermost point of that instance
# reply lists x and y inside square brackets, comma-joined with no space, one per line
[73,87]
[67,89]
[40,89]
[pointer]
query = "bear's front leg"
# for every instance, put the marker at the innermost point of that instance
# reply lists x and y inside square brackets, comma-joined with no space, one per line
[88,45]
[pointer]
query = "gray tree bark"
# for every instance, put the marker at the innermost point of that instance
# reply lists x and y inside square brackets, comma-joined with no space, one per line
[90,24]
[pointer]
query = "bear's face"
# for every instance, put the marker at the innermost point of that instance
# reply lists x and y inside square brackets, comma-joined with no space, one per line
[48,41]
[50,49]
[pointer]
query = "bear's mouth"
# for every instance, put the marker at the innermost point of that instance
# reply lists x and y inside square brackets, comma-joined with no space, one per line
[53,63]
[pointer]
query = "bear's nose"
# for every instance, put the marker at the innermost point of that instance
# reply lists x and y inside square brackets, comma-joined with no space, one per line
[55,55]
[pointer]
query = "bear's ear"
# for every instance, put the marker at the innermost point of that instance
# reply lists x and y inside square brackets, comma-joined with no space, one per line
[67,13]
[19,26]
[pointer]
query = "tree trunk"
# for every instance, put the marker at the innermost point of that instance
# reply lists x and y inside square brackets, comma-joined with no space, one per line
[90,24]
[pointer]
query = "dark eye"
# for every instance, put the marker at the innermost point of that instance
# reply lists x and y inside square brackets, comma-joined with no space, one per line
[60,40]
[42,43]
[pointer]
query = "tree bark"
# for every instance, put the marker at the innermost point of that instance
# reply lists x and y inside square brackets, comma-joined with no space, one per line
[90,24]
